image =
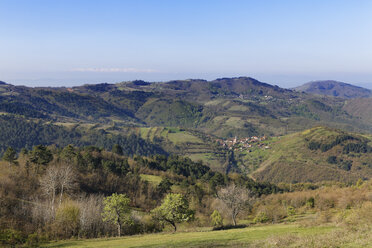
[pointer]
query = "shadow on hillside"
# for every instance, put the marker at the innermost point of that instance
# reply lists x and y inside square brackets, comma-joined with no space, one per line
[228,227]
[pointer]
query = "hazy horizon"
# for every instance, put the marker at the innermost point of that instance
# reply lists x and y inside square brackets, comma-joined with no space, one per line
[271,79]
[285,43]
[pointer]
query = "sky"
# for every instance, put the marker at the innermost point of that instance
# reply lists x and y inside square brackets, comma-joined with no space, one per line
[285,43]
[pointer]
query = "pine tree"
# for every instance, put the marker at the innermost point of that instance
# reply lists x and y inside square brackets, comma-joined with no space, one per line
[10,155]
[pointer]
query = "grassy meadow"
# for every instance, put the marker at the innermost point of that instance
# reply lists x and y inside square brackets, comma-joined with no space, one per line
[154,180]
[255,236]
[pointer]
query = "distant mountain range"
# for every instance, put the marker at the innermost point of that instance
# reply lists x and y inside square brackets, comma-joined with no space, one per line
[186,117]
[224,107]
[335,88]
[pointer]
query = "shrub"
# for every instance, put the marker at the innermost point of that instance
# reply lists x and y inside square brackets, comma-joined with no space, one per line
[10,237]
[33,240]
[149,225]
[332,159]
[67,220]
[216,219]
[361,215]
[291,211]
[310,203]
[261,217]
[325,217]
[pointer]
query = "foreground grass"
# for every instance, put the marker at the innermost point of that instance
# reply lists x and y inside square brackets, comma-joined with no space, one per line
[232,238]
[345,237]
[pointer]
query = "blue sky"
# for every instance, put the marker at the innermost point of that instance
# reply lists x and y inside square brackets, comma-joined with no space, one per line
[287,43]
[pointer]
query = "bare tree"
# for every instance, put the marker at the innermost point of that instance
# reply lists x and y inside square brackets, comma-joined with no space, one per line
[91,222]
[66,179]
[235,198]
[57,179]
[41,212]
[49,184]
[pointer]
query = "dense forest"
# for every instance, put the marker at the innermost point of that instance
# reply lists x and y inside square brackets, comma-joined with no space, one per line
[18,132]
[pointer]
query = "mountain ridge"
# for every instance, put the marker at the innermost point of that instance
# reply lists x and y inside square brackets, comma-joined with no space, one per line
[225,107]
[335,88]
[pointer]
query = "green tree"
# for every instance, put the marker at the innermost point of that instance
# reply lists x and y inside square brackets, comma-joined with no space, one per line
[116,210]
[68,153]
[10,155]
[310,202]
[216,219]
[173,210]
[117,149]
[24,151]
[164,186]
[41,155]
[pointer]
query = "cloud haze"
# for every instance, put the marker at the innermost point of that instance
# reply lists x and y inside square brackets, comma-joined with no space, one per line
[131,70]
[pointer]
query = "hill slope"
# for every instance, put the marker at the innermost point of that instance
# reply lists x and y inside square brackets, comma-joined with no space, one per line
[317,154]
[360,107]
[20,133]
[335,88]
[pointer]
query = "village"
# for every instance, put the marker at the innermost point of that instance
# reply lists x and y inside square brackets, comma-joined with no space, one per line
[243,144]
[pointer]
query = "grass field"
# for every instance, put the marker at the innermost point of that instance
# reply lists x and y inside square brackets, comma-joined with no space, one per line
[183,137]
[154,180]
[173,135]
[227,238]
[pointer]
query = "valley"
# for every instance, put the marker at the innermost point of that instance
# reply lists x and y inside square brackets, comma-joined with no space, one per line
[185,124]
[288,151]
[194,118]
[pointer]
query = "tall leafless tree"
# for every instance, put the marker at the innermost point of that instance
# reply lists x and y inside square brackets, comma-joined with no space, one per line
[235,198]
[91,222]
[57,179]
[66,179]
[49,184]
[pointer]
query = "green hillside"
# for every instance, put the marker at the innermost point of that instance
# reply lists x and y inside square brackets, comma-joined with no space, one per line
[169,112]
[317,154]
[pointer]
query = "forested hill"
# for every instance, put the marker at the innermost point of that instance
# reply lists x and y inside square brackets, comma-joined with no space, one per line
[335,88]
[223,107]
[17,132]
